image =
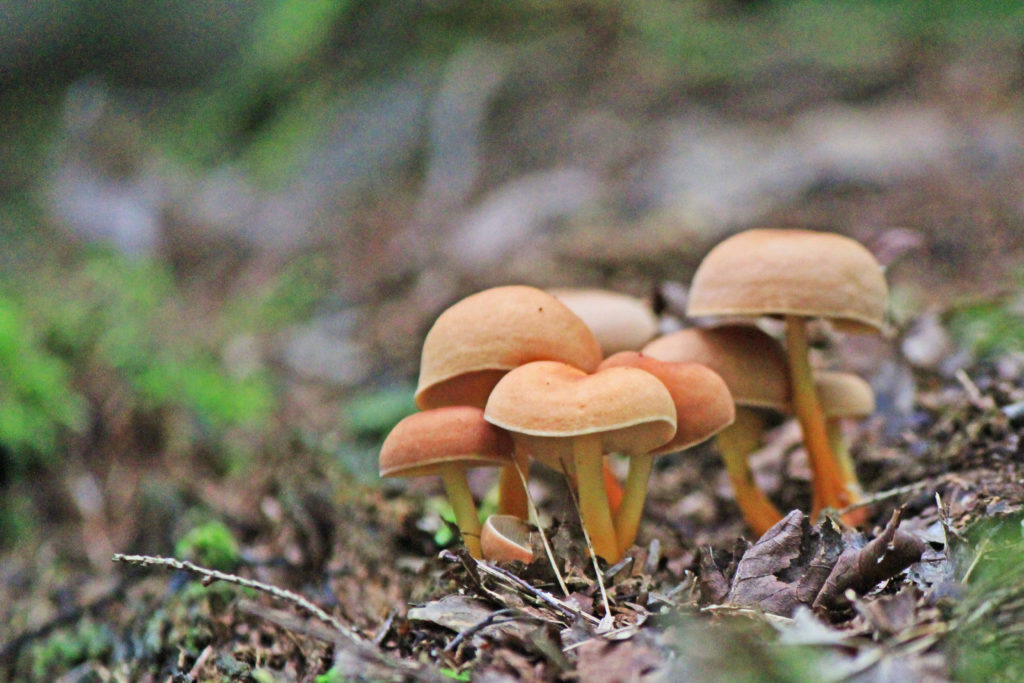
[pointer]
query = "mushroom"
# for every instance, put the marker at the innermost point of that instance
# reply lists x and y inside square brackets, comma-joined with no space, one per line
[754,368]
[798,275]
[620,322]
[703,408]
[477,340]
[568,419]
[446,442]
[506,538]
[843,395]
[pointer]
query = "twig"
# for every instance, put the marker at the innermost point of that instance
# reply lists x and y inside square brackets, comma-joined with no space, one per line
[590,546]
[541,595]
[535,518]
[502,616]
[893,493]
[211,575]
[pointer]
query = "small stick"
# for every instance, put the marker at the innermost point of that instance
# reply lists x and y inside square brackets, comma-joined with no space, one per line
[590,548]
[211,575]
[892,493]
[535,518]
[541,595]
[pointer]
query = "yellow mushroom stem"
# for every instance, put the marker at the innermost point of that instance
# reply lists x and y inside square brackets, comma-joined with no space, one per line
[594,511]
[834,427]
[512,497]
[627,518]
[735,443]
[466,518]
[829,484]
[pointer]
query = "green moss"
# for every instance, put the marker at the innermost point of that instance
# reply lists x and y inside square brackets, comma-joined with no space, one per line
[87,641]
[211,545]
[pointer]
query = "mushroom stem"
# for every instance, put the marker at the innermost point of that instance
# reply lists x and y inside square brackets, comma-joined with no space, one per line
[834,427]
[612,487]
[627,519]
[466,518]
[735,443]
[829,483]
[594,511]
[512,498]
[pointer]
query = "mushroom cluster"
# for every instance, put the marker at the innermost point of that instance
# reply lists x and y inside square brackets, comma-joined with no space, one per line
[514,375]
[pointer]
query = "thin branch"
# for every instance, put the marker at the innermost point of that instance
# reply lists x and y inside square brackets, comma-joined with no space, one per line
[211,575]
[590,546]
[537,593]
[535,518]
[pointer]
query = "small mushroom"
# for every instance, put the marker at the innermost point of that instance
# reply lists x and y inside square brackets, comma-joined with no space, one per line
[798,275]
[703,408]
[446,442]
[506,538]
[754,368]
[568,419]
[477,340]
[620,322]
[843,395]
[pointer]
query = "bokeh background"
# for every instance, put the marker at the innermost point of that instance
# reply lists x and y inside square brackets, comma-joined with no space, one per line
[226,226]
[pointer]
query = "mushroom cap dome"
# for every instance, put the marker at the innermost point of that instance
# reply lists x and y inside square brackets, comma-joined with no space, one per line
[791,272]
[477,340]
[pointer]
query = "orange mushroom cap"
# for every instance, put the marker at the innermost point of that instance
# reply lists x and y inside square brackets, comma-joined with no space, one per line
[506,538]
[477,340]
[453,436]
[752,363]
[843,394]
[703,403]
[545,403]
[791,272]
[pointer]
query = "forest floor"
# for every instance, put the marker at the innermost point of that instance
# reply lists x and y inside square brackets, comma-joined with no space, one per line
[929,587]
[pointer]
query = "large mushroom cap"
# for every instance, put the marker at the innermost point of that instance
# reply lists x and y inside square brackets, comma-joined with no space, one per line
[791,272]
[544,404]
[451,436]
[843,394]
[619,321]
[752,363]
[704,405]
[480,338]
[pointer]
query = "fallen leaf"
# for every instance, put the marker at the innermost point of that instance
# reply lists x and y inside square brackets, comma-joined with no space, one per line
[861,569]
[787,566]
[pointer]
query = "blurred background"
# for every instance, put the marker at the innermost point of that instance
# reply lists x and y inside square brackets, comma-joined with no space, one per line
[226,226]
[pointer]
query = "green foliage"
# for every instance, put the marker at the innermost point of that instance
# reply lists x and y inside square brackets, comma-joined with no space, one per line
[211,545]
[704,42]
[373,415]
[989,328]
[65,649]
[332,676]
[986,642]
[111,312]
[37,400]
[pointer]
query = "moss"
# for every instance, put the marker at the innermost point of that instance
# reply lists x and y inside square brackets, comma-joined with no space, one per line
[210,545]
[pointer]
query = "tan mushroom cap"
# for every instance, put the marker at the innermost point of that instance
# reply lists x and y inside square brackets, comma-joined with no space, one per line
[752,363]
[703,403]
[544,404]
[619,321]
[458,436]
[791,272]
[843,394]
[505,538]
[480,338]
